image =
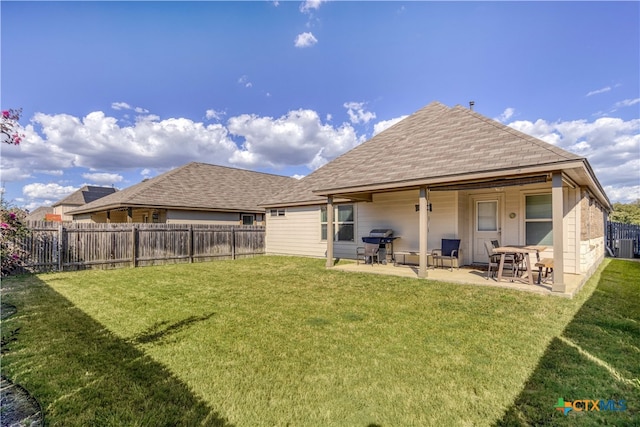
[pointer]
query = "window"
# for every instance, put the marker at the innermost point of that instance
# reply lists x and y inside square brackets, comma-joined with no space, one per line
[344,224]
[538,220]
[247,219]
[276,212]
[487,216]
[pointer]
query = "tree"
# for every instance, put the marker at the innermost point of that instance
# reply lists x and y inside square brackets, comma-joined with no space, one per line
[626,213]
[10,128]
[12,228]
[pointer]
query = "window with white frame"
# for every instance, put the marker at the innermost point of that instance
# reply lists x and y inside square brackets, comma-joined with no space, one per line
[343,223]
[276,212]
[538,220]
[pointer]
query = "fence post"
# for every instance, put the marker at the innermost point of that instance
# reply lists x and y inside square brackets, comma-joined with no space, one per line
[233,243]
[60,247]
[190,243]
[134,246]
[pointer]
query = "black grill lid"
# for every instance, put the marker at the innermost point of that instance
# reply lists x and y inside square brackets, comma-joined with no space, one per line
[381,232]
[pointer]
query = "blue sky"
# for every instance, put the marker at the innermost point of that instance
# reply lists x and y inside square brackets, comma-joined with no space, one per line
[113,92]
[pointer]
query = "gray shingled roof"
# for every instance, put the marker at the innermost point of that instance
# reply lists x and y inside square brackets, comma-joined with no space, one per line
[434,142]
[38,214]
[197,186]
[86,194]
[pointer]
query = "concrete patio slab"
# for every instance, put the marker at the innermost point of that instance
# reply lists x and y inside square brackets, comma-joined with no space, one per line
[465,275]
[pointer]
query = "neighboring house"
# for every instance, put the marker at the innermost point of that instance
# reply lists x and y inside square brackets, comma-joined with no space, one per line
[447,173]
[39,214]
[86,194]
[193,193]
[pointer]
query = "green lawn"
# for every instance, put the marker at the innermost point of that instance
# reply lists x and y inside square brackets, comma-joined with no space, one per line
[282,341]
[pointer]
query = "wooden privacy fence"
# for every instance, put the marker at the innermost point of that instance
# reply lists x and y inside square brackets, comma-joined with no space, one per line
[53,247]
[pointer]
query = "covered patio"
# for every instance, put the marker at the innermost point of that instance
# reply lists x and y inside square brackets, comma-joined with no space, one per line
[467,275]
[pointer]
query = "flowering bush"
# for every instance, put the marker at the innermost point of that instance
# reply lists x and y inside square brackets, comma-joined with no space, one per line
[12,229]
[9,126]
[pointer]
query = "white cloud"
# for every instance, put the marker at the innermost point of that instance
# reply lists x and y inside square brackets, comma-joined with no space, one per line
[297,138]
[506,115]
[214,115]
[611,145]
[120,106]
[599,91]
[357,114]
[626,103]
[244,81]
[47,191]
[298,176]
[103,178]
[305,40]
[310,5]
[626,194]
[386,124]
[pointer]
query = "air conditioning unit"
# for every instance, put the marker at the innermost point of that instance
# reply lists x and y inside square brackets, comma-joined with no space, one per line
[625,248]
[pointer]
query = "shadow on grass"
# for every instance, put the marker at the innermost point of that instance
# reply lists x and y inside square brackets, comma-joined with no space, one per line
[84,375]
[597,357]
[164,329]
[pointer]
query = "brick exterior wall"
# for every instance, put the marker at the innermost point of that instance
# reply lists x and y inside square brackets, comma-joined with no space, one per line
[592,220]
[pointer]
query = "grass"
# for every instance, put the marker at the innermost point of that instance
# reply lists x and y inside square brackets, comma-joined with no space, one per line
[282,341]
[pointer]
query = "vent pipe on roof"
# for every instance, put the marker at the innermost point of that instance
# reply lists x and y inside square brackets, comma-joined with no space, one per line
[471,104]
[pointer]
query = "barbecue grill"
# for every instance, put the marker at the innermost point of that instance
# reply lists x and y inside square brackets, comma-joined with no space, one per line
[383,237]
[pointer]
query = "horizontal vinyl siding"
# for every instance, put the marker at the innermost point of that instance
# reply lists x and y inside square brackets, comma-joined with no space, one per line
[296,233]
[397,211]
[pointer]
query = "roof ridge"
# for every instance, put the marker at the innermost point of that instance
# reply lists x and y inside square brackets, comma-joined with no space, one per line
[521,135]
[240,169]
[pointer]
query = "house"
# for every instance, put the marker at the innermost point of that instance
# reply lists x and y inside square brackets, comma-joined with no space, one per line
[447,173]
[86,194]
[39,214]
[193,193]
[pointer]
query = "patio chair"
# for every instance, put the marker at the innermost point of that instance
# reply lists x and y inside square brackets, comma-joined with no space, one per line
[360,256]
[494,259]
[371,251]
[450,251]
[514,261]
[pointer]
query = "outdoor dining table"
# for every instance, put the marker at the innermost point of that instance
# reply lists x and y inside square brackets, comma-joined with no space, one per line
[518,250]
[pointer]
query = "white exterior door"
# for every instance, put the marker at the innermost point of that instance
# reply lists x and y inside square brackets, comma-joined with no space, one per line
[486,226]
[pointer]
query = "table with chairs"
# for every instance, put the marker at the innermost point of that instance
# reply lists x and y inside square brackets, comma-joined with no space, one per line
[518,258]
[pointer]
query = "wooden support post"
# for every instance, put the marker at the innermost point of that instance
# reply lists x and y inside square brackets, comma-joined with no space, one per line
[330,231]
[423,232]
[557,204]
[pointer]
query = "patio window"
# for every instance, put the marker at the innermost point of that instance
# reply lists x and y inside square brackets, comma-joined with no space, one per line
[344,224]
[538,220]
[248,219]
[487,216]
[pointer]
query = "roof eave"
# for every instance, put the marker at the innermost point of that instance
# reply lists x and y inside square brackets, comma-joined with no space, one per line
[451,178]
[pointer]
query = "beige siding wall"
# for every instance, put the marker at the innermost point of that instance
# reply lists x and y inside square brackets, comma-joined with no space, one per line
[296,233]
[62,211]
